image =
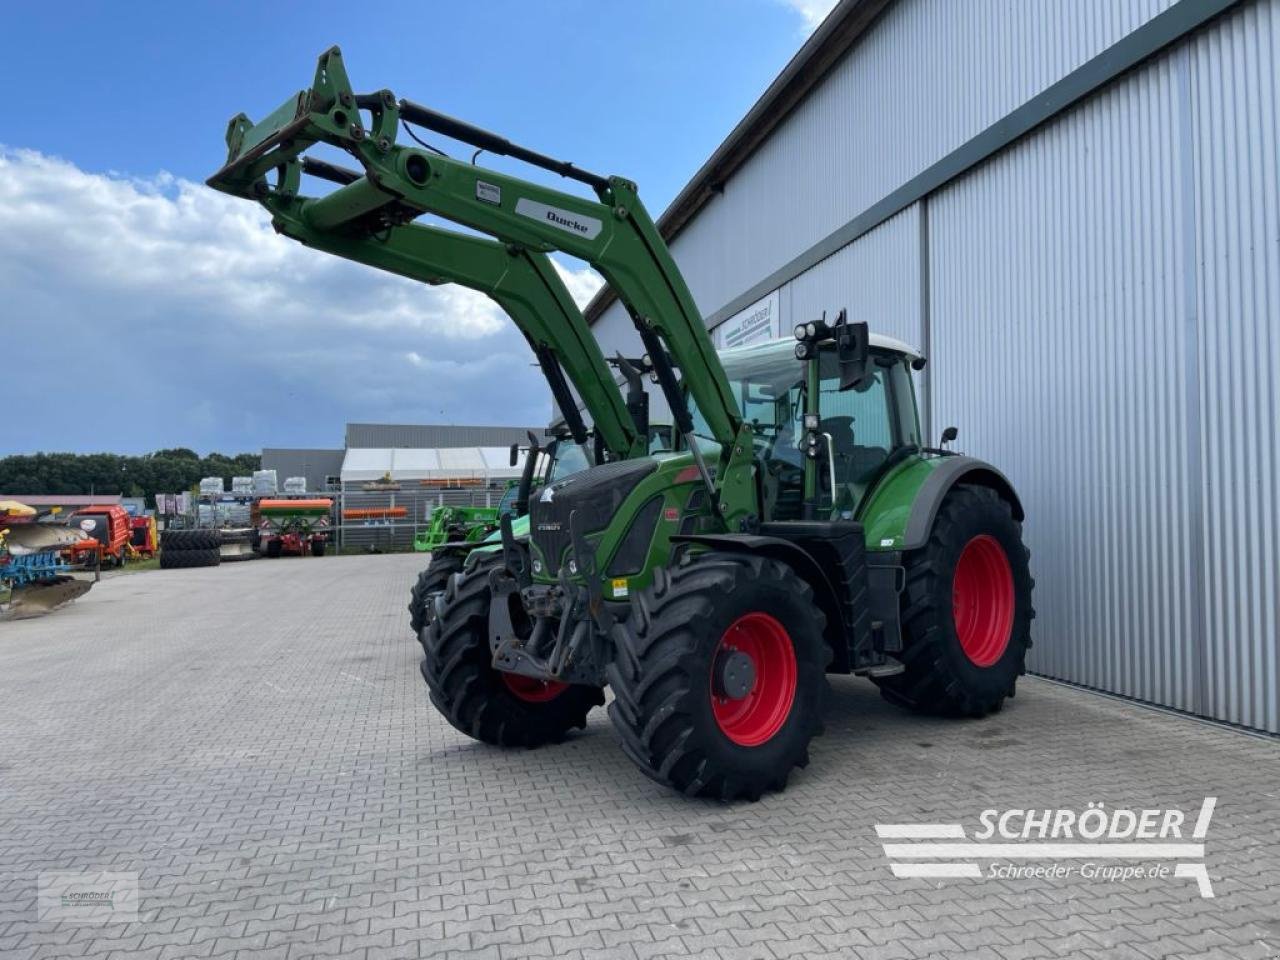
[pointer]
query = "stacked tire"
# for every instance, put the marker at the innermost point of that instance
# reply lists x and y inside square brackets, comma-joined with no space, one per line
[180,549]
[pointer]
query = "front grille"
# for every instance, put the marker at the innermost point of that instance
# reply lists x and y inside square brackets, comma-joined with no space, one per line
[594,495]
[629,558]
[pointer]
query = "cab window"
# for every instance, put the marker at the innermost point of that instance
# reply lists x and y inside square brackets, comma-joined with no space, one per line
[769,387]
[567,459]
[508,502]
[867,424]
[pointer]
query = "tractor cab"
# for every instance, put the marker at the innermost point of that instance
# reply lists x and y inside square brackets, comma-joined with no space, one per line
[863,429]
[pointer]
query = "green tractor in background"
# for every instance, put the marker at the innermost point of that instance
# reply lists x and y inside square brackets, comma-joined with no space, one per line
[456,525]
[542,465]
[801,527]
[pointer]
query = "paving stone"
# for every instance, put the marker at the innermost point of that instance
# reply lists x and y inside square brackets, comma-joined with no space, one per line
[255,742]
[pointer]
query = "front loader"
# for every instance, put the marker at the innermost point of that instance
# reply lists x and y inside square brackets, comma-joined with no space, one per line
[802,528]
[523,282]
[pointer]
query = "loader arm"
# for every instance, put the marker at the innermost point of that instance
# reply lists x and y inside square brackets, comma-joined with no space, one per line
[614,232]
[525,284]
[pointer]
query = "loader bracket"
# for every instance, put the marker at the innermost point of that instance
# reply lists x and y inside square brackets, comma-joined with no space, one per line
[328,111]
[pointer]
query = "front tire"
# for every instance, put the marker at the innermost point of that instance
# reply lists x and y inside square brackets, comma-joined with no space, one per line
[966,610]
[685,717]
[430,581]
[502,709]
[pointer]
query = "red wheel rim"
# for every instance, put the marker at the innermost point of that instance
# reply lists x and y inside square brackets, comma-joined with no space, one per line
[982,600]
[532,690]
[759,715]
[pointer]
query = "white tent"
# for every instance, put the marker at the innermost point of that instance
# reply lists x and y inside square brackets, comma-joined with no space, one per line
[490,464]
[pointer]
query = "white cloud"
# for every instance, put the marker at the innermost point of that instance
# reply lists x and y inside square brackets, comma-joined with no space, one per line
[186,243]
[582,284]
[813,12]
[155,312]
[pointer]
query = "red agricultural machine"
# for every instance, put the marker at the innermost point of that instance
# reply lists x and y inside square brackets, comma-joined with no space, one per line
[293,527]
[108,529]
[143,540]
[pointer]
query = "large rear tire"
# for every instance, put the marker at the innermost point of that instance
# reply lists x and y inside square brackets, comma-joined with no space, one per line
[430,581]
[676,708]
[966,610]
[494,707]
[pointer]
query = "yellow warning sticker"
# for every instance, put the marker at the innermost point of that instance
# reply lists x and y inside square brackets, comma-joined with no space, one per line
[620,587]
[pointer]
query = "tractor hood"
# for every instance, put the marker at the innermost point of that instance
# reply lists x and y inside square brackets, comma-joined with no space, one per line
[623,511]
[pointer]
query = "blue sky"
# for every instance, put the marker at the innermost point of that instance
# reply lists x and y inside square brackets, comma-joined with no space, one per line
[149,312]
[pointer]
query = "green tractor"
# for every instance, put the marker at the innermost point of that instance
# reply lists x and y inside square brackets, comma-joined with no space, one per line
[557,460]
[802,526]
[456,525]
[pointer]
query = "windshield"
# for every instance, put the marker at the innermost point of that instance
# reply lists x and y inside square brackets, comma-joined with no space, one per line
[507,503]
[567,458]
[768,383]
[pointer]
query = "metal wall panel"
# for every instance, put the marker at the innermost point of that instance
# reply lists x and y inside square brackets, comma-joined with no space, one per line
[1232,90]
[316,465]
[877,279]
[615,332]
[1101,301]
[930,75]
[1060,348]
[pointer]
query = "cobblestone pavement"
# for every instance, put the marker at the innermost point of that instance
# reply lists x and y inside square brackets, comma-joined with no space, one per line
[255,742]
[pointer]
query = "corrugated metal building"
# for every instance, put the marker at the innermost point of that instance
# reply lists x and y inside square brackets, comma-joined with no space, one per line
[322,468]
[1072,206]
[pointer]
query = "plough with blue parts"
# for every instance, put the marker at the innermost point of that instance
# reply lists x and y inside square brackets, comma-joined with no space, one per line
[34,579]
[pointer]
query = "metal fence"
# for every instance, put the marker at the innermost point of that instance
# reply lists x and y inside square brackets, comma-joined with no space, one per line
[397,532]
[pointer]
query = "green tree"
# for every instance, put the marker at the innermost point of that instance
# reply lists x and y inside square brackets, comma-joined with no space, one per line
[165,471]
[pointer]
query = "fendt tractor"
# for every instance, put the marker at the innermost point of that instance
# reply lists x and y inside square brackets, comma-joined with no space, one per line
[801,526]
[541,465]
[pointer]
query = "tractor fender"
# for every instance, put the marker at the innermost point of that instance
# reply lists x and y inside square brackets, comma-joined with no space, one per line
[776,548]
[949,472]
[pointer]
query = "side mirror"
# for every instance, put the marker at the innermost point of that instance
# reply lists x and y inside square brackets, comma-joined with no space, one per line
[853,352]
[515,454]
[949,435]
